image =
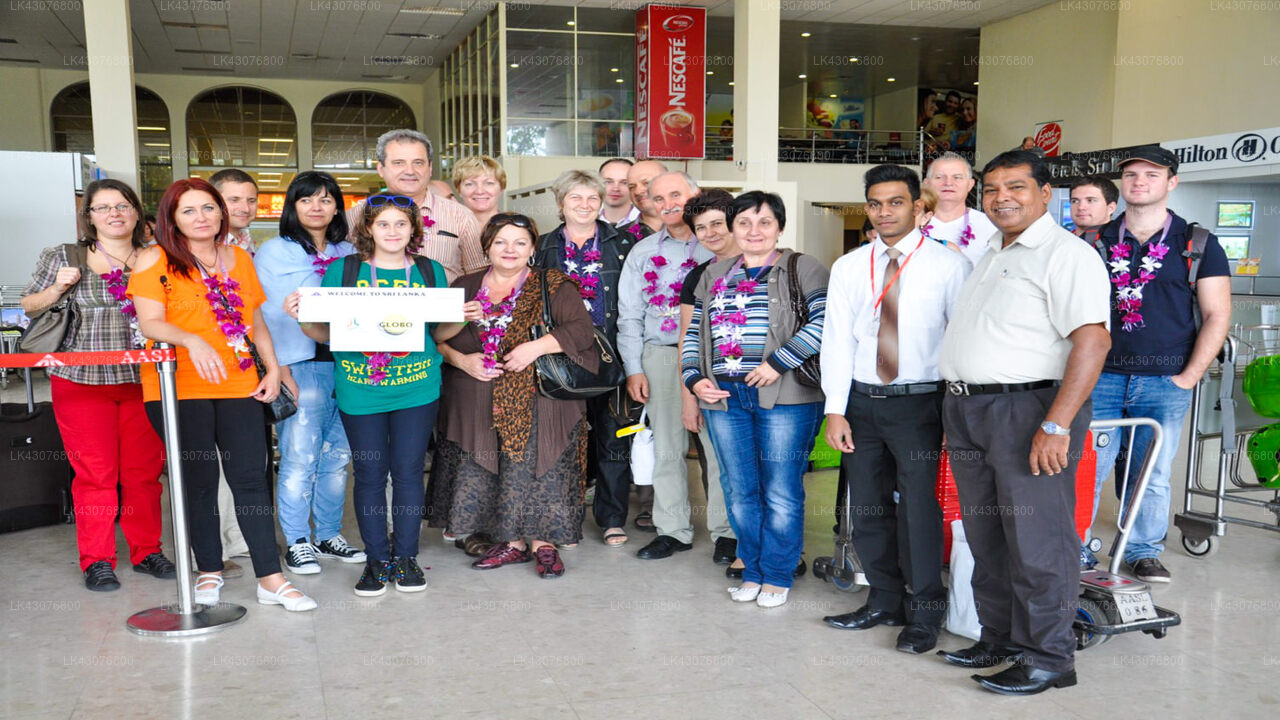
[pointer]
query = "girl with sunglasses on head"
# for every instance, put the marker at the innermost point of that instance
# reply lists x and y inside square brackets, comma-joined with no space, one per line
[509,461]
[116,455]
[198,293]
[387,401]
[312,483]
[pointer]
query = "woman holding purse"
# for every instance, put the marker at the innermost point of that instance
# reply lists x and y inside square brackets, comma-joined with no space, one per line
[201,295]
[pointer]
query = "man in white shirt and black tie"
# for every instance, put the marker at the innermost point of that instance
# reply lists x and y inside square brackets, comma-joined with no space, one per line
[888,304]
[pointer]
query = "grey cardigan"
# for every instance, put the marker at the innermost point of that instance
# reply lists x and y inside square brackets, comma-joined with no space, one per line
[782,325]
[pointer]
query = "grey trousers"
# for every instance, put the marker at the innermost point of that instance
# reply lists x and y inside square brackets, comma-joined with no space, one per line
[1020,526]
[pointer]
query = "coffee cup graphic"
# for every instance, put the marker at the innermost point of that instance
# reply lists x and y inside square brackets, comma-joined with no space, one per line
[677,129]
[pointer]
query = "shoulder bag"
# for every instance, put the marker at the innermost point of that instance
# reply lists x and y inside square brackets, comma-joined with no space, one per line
[50,328]
[560,377]
[810,371]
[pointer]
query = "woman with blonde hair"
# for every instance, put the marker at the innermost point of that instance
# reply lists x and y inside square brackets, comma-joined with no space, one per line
[480,181]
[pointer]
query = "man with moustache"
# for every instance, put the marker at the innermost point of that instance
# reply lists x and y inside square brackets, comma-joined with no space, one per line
[451,235]
[1093,202]
[1027,339]
[618,210]
[648,334]
[887,307]
[954,224]
[638,178]
[1158,353]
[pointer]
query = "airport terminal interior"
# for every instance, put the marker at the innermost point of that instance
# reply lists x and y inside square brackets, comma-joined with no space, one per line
[794,97]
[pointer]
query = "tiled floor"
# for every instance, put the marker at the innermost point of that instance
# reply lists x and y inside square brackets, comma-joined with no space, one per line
[616,637]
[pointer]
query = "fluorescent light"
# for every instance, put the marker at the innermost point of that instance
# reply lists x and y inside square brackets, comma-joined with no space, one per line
[891,79]
[619,80]
[975,82]
[853,60]
[802,76]
[280,154]
[805,34]
[515,65]
[730,83]
[570,23]
[711,72]
[152,129]
[156,144]
[832,95]
[262,140]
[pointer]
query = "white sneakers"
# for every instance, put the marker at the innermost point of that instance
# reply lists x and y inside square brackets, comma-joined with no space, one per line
[745,594]
[208,589]
[291,602]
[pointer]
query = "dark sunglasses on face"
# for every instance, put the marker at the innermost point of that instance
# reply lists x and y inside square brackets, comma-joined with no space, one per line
[397,200]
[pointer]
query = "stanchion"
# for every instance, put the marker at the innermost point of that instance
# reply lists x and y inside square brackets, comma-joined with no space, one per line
[186,618]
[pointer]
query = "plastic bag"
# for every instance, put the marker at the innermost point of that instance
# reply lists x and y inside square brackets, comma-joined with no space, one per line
[643,456]
[962,611]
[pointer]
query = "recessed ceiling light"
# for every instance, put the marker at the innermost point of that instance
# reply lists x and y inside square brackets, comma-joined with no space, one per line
[805,34]
[262,140]
[832,95]
[278,154]
[711,72]
[853,59]
[730,83]
[613,69]
[618,80]
[348,178]
[891,79]
[156,144]
[515,65]
[570,23]
[802,76]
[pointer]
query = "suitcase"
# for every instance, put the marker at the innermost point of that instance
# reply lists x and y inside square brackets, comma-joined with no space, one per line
[35,475]
[1086,472]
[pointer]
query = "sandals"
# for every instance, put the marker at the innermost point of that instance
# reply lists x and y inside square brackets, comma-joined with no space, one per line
[208,589]
[615,537]
[644,521]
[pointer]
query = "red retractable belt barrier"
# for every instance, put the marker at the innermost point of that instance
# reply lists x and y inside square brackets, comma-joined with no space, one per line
[108,357]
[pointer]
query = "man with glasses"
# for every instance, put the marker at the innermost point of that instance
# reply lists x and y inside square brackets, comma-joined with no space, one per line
[451,235]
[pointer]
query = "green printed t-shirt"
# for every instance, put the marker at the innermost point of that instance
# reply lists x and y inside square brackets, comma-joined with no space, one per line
[413,379]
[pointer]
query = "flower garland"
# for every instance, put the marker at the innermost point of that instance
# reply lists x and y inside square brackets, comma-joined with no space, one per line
[226,306]
[728,317]
[1128,288]
[321,263]
[586,273]
[118,286]
[496,319]
[377,362]
[966,235]
[668,306]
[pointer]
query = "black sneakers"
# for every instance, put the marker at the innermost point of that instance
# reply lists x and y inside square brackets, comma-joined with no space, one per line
[1151,570]
[99,577]
[157,565]
[409,577]
[374,580]
[301,558]
[725,552]
[336,548]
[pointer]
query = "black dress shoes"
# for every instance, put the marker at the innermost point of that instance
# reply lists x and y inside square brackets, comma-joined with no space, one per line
[918,638]
[1023,680]
[863,618]
[662,546]
[982,654]
[725,552]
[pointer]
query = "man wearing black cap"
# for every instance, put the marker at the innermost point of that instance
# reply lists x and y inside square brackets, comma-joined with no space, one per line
[1158,353]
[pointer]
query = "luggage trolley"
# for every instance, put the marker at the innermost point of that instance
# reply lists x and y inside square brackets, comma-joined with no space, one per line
[1217,414]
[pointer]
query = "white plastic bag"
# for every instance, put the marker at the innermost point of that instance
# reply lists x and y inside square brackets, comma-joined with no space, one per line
[643,456]
[962,611]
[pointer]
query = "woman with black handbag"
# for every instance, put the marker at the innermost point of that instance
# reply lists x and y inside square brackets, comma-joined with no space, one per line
[201,295]
[510,461]
[116,456]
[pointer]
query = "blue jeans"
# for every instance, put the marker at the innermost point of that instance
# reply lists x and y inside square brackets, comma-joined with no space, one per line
[1151,396]
[394,442]
[313,458]
[763,455]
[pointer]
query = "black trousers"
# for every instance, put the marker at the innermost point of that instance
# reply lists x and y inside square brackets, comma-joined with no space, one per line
[896,442]
[230,429]
[1020,526]
[611,465]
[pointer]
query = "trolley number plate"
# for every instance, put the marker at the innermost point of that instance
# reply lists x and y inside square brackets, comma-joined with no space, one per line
[1134,606]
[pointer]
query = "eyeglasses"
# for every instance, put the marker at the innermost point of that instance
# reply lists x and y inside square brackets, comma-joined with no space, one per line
[397,200]
[516,219]
[122,208]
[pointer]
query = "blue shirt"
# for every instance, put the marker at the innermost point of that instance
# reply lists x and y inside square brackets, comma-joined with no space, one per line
[643,323]
[284,266]
[1167,335]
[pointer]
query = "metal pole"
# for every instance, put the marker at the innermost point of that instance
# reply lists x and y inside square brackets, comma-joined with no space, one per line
[1129,509]
[186,618]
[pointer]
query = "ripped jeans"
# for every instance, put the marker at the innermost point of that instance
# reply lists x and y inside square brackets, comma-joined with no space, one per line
[314,454]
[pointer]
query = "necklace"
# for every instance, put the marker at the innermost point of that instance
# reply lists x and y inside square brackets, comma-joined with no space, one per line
[496,319]
[668,306]
[585,272]
[729,317]
[226,304]
[966,235]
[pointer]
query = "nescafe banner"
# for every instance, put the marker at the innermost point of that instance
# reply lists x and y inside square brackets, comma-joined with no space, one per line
[671,51]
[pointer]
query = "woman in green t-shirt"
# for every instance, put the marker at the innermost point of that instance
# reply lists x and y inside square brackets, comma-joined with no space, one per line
[388,401]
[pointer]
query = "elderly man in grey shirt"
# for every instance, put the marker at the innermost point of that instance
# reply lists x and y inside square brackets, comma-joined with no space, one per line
[648,325]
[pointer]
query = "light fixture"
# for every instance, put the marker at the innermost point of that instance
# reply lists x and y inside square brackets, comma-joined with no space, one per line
[515,65]
[273,165]
[891,79]
[975,82]
[618,80]
[730,83]
[802,76]
[156,144]
[853,59]
[613,69]
[151,128]
[570,23]
[348,178]
[832,95]
[275,139]
[711,72]
[805,34]
[278,154]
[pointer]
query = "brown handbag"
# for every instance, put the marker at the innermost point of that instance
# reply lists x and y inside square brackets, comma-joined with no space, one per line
[51,327]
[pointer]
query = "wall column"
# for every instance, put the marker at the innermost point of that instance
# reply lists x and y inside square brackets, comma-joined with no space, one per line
[755,89]
[108,43]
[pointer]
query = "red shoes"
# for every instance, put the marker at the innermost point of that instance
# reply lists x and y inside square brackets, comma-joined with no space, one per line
[499,555]
[549,565]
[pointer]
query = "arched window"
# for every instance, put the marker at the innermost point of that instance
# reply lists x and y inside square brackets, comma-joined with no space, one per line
[344,134]
[246,128]
[71,120]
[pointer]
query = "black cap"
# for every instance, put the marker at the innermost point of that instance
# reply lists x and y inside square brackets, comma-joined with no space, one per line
[1153,154]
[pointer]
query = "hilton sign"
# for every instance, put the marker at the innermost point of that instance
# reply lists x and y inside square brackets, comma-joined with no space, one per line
[1233,150]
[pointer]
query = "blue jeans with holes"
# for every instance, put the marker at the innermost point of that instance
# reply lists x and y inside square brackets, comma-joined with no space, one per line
[312,485]
[1153,396]
[763,456]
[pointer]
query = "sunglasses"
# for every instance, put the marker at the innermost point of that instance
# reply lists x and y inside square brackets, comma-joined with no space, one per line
[516,219]
[397,200]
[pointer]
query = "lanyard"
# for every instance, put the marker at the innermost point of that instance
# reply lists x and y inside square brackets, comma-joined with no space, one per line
[892,280]
[773,257]
[515,291]
[693,245]
[1168,222]
[373,273]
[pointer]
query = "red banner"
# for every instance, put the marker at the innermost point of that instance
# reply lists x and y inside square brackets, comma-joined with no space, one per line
[671,55]
[61,359]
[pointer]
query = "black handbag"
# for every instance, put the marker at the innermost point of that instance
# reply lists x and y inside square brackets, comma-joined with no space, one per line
[560,377]
[50,328]
[810,371]
[285,405]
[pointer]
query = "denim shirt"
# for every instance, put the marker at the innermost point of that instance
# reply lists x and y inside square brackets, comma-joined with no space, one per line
[284,266]
[639,322]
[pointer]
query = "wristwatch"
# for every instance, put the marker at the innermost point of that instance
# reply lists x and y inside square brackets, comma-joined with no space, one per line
[1052,428]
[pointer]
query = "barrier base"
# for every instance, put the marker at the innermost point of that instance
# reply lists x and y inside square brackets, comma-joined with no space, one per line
[166,621]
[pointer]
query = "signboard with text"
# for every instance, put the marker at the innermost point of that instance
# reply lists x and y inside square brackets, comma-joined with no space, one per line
[671,48]
[1232,150]
[1048,137]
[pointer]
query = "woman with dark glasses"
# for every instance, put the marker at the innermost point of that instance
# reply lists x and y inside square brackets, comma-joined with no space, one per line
[387,401]
[511,462]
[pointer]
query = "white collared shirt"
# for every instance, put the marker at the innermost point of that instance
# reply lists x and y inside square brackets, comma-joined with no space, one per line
[981,226]
[1011,321]
[927,288]
[632,216]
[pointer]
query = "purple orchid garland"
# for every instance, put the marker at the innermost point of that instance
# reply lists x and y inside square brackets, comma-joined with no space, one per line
[1128,288]
[226,304]
[667,304]
[586,273]
[494,325]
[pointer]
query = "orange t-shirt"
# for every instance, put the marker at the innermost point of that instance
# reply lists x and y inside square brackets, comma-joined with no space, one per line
[187,307]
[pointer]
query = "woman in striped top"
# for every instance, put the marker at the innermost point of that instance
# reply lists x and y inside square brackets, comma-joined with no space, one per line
[738,356]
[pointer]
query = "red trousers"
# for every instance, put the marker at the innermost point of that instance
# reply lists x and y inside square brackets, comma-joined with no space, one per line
[110,444]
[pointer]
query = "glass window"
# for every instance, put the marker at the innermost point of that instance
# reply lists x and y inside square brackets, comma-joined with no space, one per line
[539,17]
[540,75]
[242,126]
[345,127]
[539,138]
[604,20]
[605,139]
[606,78]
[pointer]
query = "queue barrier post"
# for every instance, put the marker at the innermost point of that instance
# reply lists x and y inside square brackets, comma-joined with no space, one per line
[186,618]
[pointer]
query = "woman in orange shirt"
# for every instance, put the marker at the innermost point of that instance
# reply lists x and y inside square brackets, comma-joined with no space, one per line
[196,292]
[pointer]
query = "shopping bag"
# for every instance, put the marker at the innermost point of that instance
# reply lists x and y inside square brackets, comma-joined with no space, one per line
[962,611]
[643,456]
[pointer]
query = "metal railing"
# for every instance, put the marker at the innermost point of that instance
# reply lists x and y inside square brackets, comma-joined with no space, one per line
[830,145]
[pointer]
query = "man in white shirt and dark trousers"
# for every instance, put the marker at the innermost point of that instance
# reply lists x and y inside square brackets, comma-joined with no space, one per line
[1026,342]
[887,305]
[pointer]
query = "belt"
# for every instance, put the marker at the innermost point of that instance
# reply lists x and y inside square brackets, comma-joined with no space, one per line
[884,391]
[961,389]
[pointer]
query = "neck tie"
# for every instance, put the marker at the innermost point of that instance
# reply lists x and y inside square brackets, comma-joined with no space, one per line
[887,337]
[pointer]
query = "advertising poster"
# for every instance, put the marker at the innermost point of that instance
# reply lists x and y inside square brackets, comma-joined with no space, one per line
[671,50]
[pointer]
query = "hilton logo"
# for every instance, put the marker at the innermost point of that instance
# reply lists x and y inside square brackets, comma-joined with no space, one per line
[1248,148]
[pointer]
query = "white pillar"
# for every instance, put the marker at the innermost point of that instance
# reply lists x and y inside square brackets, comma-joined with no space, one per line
[756,40]
[108,43]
